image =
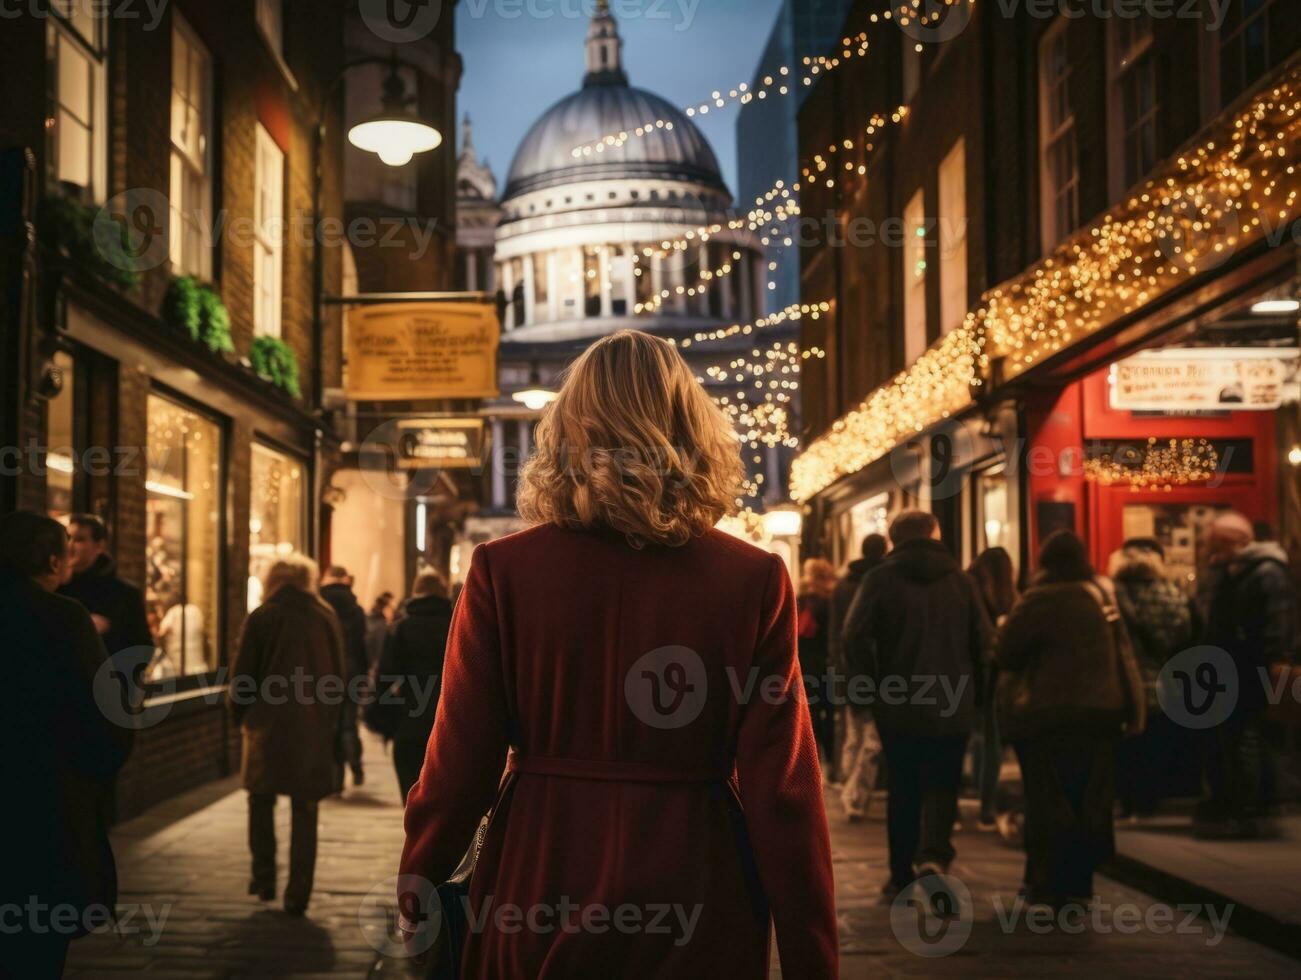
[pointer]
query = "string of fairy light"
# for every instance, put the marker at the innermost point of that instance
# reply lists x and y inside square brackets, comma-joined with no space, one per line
[1231,190]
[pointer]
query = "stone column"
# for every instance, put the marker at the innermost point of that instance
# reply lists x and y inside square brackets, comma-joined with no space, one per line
[498,466]
[529,297]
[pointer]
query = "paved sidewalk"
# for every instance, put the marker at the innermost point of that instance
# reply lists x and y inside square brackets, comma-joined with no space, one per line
[188,860]
[1261,877]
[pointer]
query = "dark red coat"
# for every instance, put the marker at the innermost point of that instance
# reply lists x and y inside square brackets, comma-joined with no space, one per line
[603,809]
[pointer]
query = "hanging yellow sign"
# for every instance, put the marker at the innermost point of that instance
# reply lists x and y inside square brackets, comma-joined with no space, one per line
[418,351]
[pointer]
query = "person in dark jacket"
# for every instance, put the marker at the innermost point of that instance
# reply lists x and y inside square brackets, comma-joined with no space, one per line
[995,578]
[817,583]
[861,754]
[336,589]
[116,607]
[413,653]
[918,630]
[289,738]
[1160,621]
[1062,699]
[378,621]
[1250,612]
[61,754]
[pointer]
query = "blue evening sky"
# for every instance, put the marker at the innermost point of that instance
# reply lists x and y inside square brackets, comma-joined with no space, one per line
[517,62]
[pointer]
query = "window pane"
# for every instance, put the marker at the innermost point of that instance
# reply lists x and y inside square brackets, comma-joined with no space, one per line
[74,79]
[275,514]
[183,509]
[74,151]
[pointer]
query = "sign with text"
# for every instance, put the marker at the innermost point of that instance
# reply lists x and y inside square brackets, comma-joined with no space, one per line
[440,444]
[418,351]
[1203,379]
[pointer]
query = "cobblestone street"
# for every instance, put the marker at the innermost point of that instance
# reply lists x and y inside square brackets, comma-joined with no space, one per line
[192,868]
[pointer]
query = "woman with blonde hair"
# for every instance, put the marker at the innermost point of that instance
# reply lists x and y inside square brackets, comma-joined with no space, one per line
[290,730]
[634,671]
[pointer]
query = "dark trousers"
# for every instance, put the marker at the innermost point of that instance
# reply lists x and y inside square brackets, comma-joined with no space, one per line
[1235,760]
[31,955]
[1146,765]
[1069,793]
[302,846]
[408,758]
[924,775]
[350,739]
[823,715]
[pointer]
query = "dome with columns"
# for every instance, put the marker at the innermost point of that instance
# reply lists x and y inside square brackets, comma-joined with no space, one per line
[593,242]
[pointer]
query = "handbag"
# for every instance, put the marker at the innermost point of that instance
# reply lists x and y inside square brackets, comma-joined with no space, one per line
[1128,673]
[384,715]
[448,951]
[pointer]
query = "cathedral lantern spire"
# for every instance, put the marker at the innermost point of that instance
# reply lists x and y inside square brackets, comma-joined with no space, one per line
[604,49]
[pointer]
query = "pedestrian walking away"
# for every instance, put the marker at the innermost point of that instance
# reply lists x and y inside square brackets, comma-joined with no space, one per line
[817,584]
[995,579]
[1068,689]
[336,589]
[290,740]
[410,672]
[860,757]
[917,623]
[590,656]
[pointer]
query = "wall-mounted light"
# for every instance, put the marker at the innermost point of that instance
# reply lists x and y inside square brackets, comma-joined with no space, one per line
[396,134]
[1275,307]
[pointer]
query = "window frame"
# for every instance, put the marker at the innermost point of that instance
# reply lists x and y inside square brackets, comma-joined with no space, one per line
[953,258]
[63,28]
[1139,56]
[916,314]
[1050,194]
[268,239]
[197,176]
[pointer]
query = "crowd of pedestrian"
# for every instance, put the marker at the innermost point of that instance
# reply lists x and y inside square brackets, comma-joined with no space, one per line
[1069,674]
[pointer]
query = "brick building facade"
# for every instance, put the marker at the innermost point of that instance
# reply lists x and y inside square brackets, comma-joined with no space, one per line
[153,382]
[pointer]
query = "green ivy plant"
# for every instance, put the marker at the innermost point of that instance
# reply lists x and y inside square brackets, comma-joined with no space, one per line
[196,308]
[91,241]
[274,360]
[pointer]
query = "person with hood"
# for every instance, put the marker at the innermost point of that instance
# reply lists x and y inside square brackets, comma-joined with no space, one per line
[817,583]
[1065,696]
[413,663]
[1160,621]
[918,631]
[336,589]
[290,735]
[1250,612]
[61,755]
[861,754]
[116,607]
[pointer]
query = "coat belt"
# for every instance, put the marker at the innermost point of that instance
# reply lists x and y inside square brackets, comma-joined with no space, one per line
[611,771]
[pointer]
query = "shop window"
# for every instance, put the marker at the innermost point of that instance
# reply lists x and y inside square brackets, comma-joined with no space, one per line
[914,279]
[1182,529]
[1059,163]
[183,539]
[191,157]
[268,235]
[60,444]
[868,516]
[953,238]
[77,105]
[1132,106]
[277,495]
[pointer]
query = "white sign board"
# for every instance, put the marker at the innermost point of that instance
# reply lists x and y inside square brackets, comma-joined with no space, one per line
[1203,379]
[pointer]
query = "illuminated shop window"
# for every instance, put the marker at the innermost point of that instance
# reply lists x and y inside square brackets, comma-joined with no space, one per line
[275,524]
[183,545]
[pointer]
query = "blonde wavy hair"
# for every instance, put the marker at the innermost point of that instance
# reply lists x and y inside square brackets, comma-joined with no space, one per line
[634,443]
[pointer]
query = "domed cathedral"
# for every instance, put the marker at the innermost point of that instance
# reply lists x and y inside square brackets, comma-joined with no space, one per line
[581,246]
[601,225]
